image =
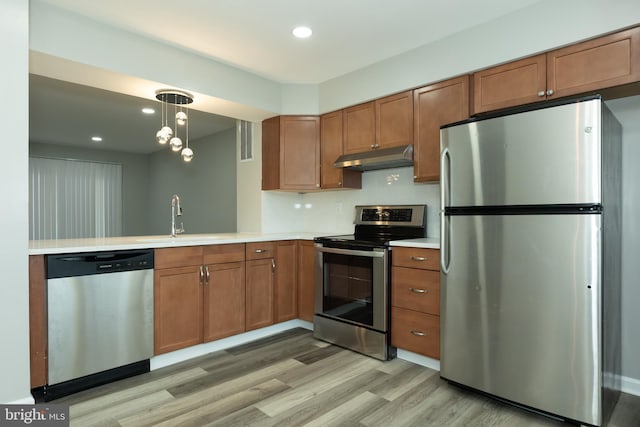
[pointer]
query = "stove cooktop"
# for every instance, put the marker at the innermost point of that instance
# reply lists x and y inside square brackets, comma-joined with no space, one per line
[376,226]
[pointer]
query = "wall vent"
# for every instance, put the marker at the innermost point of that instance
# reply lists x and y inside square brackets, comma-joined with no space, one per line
[245,136]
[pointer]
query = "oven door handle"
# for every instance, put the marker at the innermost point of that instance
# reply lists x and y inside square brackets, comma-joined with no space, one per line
[354,252]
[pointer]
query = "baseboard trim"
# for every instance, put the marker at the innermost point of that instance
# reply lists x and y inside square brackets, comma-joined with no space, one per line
[630,385]
[25,401]
[419,359]
[177,356]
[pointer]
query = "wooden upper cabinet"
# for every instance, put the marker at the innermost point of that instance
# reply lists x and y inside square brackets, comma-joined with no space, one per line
[359,128]
[331,147]
[508,85]
[604,62]
[593,65]
[434,106]
[291,153]
[394,120]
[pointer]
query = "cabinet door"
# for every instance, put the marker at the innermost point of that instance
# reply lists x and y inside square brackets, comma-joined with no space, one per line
[434,106]
[306,280]
[516,83]
[224,295]
[359,128]
[271,153]
[177,295]
[394,120]
[259,294]
[37,321]
[415,331]
[595,64]
[299,152]
[331,147]
[286,293]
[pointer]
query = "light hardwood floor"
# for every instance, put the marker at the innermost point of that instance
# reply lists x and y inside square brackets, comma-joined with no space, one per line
[291,379]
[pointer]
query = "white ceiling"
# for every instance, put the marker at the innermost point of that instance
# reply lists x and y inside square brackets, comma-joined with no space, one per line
[255,35]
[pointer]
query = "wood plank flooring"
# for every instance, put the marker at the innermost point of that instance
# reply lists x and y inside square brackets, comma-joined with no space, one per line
[291,379]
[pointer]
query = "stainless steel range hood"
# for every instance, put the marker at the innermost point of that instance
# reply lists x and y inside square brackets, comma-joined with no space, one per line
[384,158]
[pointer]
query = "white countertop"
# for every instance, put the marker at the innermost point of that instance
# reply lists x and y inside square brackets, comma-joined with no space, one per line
[427,242]
[45,247]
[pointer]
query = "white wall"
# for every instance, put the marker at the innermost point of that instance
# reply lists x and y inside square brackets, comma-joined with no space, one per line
[14,293]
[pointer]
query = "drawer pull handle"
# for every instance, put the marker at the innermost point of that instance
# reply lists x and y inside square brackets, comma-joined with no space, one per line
[260,251]
[418,291]
[418,258]
[418,333]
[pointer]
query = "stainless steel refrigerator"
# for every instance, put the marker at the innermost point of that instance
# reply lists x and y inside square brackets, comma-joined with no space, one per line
[530,246]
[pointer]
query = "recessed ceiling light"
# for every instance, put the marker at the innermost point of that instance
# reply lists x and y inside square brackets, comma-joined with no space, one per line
[302,32]
[96,138]
[148,110]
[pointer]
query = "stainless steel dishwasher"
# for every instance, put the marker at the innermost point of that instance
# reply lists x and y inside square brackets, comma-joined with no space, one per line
[100,318]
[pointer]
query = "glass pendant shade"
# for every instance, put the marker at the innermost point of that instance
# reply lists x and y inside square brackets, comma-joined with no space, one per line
[181,118]
[176,144]
[187,154]
[161,138]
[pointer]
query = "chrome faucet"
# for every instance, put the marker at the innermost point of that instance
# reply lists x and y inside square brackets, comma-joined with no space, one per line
[176,211]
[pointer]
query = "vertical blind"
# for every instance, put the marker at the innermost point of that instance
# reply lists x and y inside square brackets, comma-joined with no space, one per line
[72,199]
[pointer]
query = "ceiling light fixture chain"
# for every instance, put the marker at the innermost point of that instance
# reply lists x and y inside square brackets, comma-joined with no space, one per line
[166,134]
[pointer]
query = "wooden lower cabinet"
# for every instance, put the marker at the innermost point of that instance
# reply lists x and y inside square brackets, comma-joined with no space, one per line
[177,294]
[415,331]
[415,300]
[224,299]
[285,284]
[199,295]
[37,321]
[306,278]
[259,293]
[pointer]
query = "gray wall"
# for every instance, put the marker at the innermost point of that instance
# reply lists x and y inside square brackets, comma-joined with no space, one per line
[135,180]
[206,186]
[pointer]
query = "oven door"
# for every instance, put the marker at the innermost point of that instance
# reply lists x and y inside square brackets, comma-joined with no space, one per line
[351,285]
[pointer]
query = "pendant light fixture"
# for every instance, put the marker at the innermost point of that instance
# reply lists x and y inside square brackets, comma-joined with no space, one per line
[180,101]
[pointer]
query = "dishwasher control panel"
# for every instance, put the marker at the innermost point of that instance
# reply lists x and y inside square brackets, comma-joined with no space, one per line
[87,263]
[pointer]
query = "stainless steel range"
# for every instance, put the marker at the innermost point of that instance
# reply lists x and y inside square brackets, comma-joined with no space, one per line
[352,278]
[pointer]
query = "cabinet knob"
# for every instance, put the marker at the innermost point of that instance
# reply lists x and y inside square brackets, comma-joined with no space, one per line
[317,185]
[373,145]
[541,93]
[418,333]
[550,92]
[339,183]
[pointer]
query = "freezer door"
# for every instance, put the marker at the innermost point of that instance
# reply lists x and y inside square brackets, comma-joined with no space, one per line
[546,156]
[520,310]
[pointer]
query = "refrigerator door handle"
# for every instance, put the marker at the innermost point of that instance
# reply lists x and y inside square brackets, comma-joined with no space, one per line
[445,260]
[445,176]
[445,197]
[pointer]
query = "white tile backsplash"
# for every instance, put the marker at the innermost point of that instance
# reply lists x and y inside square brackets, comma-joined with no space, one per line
[333,211]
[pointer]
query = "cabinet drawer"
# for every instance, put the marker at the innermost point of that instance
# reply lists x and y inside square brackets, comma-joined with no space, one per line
[428,259]
[219,254]
[260,250]
[416,289]
[177,257]
[416,332]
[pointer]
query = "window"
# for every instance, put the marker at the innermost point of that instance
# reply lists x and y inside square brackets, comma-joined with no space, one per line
[74,199]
